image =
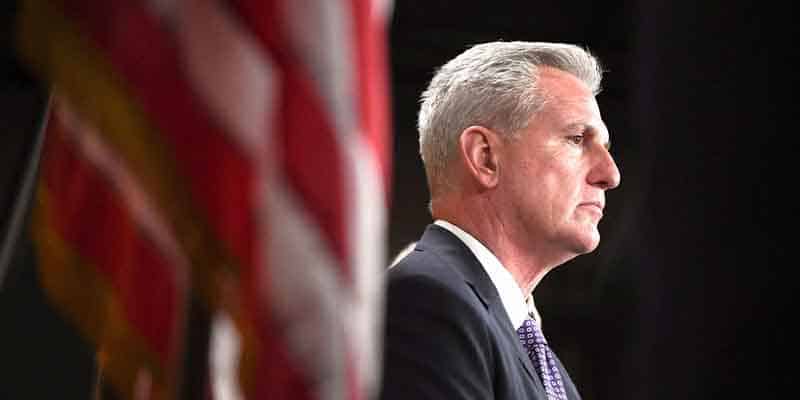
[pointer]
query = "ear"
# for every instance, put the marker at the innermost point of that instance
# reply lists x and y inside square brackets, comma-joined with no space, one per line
[479,148]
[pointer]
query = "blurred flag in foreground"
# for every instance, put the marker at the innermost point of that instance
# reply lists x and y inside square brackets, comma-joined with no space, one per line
[229,157]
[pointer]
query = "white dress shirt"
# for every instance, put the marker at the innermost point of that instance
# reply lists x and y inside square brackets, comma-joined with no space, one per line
[517,306]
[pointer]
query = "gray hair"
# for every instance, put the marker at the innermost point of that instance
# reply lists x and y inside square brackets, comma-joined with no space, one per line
[494,85]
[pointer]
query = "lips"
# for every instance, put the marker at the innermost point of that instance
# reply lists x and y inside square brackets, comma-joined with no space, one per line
[596,206]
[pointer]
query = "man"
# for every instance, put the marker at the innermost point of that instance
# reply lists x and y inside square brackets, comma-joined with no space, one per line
[517,161]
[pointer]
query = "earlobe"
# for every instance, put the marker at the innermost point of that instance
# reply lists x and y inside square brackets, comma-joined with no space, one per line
[479,148]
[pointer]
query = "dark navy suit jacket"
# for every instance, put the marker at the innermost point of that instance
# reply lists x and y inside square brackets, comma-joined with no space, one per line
[448,335]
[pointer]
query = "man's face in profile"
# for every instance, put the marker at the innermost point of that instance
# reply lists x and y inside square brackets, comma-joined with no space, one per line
[554,174]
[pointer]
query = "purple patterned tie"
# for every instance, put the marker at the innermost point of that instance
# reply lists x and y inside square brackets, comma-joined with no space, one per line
[543,359]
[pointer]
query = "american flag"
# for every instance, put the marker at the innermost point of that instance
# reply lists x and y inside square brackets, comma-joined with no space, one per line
[234,152]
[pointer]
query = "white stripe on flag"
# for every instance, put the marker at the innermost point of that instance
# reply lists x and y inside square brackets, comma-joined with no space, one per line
[306,292]
[321,33]
[230,72]
[131,192]
[368,241]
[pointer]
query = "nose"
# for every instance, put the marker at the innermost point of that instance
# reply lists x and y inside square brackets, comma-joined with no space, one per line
[605,173]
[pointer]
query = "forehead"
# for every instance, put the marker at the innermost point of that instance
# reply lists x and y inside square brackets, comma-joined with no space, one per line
[569,101]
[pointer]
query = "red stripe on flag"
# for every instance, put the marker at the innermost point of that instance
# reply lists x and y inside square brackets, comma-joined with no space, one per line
[313,163]
[371,76]
[278,377]
[311,156]
[144,53]
[90,216]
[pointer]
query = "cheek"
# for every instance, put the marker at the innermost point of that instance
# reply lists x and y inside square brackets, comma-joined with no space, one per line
[564,188]
[562,180]
[548,185]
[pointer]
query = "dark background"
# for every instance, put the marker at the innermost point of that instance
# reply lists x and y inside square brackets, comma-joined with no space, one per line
[690,294]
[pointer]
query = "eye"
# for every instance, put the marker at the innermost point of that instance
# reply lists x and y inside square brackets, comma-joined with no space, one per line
[575,139]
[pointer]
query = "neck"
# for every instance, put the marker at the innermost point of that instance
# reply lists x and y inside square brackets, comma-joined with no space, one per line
[479,218]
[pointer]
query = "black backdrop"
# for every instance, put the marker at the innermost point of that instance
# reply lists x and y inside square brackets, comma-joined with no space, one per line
[687,294]
[690,294]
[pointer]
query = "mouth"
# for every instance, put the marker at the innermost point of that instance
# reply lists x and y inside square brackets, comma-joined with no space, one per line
[594,206]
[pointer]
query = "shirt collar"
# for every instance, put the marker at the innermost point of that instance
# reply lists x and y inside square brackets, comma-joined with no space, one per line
[516,305]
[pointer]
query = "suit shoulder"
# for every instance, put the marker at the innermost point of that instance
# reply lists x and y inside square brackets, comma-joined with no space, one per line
[423,276]
[426,267]
[438,342]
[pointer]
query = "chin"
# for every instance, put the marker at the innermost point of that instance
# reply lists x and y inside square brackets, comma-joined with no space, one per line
[587,242]
[584,248]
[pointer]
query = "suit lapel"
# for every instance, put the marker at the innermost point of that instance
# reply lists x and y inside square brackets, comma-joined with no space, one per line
[501,317]
[458,255]
[449,246]
[569,386]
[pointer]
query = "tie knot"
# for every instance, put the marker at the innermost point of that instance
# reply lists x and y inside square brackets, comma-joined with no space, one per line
[530,334]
